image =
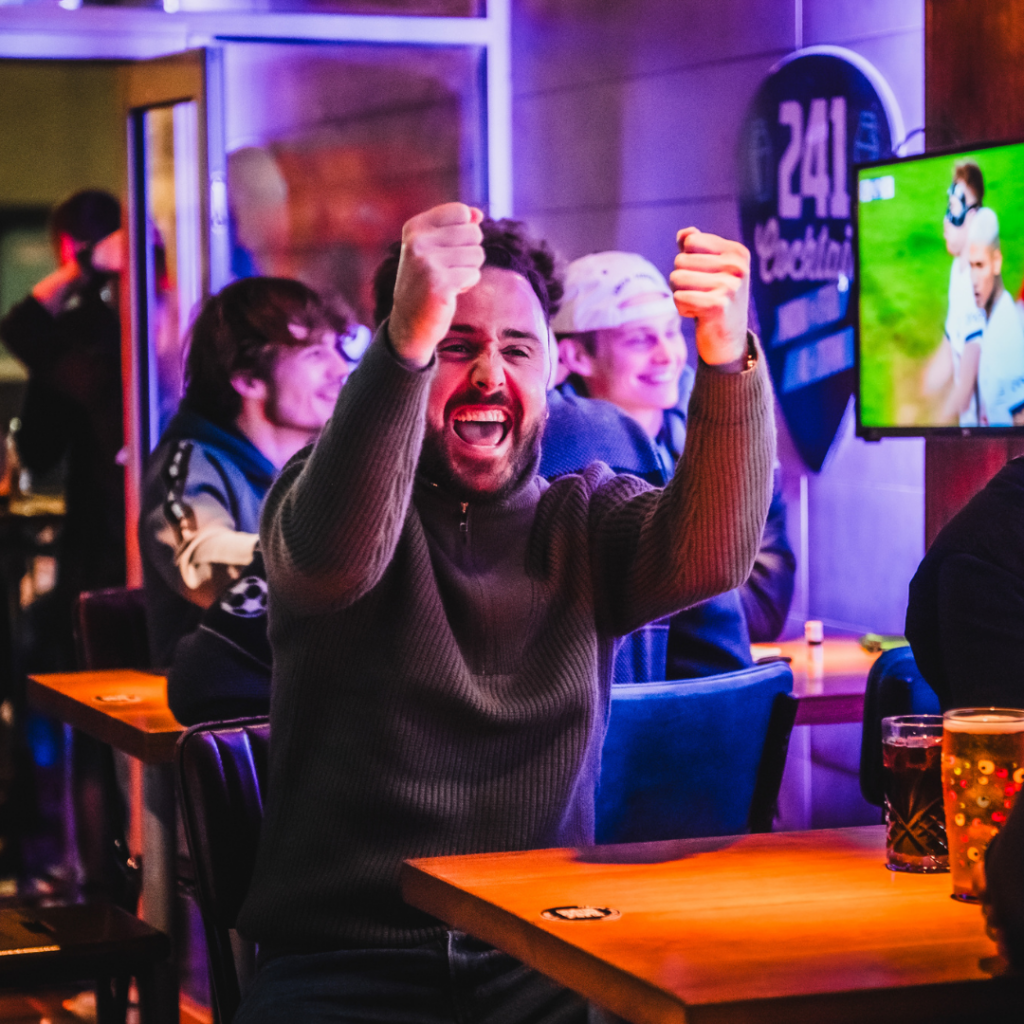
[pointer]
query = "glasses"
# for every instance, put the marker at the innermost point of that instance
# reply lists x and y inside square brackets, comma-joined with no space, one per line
[957,206]
[354,342]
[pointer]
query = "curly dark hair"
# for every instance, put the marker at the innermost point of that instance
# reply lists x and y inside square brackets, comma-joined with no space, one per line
[241,329]
[507,245]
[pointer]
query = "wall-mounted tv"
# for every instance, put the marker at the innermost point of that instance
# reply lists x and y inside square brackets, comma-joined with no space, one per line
[940,263]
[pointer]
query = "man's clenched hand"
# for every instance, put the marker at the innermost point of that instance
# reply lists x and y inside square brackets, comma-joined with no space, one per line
[711,283]
[441,258]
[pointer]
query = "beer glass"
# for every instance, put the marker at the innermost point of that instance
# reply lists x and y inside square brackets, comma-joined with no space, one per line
[912,774]
[982,773]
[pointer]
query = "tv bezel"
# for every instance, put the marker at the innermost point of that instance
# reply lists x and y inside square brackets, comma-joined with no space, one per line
[874,433]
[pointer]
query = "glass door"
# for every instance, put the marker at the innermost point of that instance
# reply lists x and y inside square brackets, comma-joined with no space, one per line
[178,239]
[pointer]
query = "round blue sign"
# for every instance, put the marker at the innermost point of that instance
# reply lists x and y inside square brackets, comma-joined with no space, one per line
[818,112]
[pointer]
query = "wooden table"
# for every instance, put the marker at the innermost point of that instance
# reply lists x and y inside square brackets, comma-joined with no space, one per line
[828,679]
[787,927]
[128,710]
[122,707]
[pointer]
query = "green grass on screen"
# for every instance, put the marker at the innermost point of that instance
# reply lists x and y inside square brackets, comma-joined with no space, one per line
[905,268]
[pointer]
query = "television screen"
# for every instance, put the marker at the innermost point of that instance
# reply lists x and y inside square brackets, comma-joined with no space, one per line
[940,263]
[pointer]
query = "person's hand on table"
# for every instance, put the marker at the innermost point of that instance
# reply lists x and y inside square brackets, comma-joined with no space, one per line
[992,925]
[441,258]
[711,284]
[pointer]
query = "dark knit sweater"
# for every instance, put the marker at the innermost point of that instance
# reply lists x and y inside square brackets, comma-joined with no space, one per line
[441,672]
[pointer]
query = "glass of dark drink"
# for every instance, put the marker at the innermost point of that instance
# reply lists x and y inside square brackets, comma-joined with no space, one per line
[914,814]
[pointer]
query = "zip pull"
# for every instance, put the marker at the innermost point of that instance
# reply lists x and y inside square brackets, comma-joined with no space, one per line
[464,521]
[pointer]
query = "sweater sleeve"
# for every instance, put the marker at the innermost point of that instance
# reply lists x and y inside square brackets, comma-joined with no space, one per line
[332,520]
[664,550]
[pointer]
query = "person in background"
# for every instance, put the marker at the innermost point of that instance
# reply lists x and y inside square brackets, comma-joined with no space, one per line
[67,332]
[1001,367]
[954,369]
[443,620]
[263,372]
[965,613]
[620,338]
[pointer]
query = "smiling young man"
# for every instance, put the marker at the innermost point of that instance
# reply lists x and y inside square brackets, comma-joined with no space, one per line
[620,337]
[443,620]
[263,373]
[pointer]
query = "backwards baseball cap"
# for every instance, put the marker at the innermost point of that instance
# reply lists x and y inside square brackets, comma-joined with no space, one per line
[601,291]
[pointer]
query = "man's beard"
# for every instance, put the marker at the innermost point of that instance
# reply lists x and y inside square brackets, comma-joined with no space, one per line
[521,464]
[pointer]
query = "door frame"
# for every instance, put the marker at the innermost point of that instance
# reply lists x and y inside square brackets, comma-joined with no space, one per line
[161,42]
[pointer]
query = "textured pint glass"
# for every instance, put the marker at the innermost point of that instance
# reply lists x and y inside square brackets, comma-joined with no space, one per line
[912,774]
[982,773]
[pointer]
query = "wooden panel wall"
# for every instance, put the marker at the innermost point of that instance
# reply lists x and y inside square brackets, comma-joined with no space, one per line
[974,93]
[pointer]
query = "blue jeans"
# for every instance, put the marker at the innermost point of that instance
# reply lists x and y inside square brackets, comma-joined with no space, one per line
[454,980]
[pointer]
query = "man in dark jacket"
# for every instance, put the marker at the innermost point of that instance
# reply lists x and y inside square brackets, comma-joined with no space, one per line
[263,373]
[68,334]
[965,616]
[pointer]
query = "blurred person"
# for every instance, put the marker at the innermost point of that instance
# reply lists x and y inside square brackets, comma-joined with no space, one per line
[956,366]
[965,613]
[68,334]
[1001,367]
[443,620]
[263,372]
[621,341]
[260,223]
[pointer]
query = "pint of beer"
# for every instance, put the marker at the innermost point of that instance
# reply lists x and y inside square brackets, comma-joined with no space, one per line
[982,773]
[911,771]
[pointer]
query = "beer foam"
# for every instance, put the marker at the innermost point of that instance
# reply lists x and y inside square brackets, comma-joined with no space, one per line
[988,724]
[911,741]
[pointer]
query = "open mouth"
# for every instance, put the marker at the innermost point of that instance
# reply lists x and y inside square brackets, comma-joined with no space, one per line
[482,428]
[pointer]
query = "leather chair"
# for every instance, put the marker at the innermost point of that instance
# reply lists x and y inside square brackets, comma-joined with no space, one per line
[221,771]
[695,757]
[110,629]
[895,687]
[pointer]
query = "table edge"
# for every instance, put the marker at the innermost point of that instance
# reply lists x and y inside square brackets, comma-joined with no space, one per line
[148,747]
[460,910]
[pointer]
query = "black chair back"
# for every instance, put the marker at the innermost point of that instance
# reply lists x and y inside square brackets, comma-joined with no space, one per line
[895,687]
[110,629]
[222,769]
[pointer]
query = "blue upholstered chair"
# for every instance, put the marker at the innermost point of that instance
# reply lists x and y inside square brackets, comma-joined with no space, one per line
[894,687]
[695,757]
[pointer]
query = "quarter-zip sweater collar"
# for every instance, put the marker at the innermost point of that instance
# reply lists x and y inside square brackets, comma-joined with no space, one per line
[478,550]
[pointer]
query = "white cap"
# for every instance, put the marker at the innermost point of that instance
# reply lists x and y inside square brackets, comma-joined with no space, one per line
[599,287]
